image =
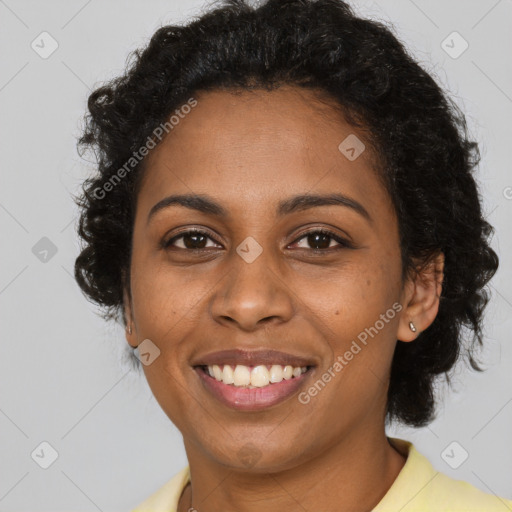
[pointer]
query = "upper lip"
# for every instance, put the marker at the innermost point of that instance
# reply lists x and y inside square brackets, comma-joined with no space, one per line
[252,358]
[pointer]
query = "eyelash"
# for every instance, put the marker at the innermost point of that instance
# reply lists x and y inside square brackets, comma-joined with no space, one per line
[343,243]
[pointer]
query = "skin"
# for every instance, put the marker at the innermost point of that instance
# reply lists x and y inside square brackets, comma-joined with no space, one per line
[249,152]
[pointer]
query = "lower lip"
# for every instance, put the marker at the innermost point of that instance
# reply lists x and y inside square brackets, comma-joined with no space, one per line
[252,399]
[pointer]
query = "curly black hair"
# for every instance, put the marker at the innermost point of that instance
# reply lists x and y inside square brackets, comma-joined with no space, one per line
[425,156]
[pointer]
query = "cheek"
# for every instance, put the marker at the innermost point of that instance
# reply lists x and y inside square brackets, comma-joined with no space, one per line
[166,310]
[359,313]
[163,296]
[353,295]
[357,310]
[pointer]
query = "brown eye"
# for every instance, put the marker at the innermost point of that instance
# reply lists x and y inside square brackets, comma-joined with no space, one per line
[194,239]
[318,240]
[321,239]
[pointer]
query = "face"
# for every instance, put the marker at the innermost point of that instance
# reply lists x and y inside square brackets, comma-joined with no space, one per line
[311,279]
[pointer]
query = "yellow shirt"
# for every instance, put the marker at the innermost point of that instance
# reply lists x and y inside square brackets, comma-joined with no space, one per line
[417,488]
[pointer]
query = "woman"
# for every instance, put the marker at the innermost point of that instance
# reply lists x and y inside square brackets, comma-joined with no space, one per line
[285,216]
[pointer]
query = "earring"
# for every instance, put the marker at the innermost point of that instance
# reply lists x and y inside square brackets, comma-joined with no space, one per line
[130,329]
[412,327]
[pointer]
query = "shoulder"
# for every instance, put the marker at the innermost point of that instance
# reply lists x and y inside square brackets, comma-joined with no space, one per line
[421,488]
[460,496]
[166,498]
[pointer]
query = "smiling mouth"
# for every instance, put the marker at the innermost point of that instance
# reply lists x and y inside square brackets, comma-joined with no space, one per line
[252,388]
[242,376]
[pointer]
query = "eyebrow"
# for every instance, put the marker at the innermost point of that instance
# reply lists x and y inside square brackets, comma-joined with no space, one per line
[209,206]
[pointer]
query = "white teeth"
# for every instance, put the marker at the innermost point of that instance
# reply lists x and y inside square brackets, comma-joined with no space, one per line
[276,373]
[227,375]
[260,376]
[217,372]
[257,377]
[241,376]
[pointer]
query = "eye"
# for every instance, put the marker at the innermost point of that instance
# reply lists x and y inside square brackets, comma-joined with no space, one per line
[193,239]
[196,239]
[322,239]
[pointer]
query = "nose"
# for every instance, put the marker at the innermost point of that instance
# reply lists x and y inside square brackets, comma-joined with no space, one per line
[252,295]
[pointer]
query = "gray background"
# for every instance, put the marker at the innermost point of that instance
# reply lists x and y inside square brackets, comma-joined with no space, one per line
[64,375]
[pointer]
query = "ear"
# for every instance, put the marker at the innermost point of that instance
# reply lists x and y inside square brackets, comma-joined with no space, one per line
[131,337]
[421,296]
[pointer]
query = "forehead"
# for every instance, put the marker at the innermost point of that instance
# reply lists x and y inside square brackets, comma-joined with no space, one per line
[259,146]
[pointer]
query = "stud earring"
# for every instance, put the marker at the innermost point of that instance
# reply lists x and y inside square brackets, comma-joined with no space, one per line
[412,327]
[130,329]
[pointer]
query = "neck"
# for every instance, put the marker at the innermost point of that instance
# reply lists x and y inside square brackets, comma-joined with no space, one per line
[354,474]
